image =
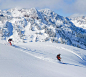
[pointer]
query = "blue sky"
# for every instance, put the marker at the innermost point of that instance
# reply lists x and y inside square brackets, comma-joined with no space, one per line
[62,7]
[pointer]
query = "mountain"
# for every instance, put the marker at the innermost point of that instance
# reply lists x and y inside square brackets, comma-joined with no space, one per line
[32,25]
[79,21]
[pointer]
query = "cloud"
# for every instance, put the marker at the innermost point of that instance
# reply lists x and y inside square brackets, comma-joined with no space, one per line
[78,7]
[28,3]
[75,15]
[67,6]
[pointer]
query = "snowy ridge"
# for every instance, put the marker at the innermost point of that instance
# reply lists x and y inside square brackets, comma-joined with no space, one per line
[32,25]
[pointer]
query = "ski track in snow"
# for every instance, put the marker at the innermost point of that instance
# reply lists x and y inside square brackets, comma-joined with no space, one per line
[72,52]
[30,52]
[40,55]
[67,50]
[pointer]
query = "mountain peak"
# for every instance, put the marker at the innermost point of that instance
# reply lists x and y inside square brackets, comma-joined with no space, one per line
[32,25]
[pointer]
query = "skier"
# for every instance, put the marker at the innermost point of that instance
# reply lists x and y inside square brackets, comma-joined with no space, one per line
[9,40]
[58,57]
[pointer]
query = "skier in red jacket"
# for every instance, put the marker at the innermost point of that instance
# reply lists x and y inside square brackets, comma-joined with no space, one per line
[58,57]
[9,40]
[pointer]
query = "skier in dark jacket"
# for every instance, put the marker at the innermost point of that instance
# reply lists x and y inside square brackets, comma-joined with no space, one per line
[9,40]
[58,57]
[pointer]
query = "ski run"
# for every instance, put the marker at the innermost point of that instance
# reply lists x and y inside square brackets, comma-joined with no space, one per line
[38,59]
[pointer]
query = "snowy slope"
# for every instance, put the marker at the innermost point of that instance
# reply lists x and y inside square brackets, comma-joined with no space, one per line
[32,25]
[39,59]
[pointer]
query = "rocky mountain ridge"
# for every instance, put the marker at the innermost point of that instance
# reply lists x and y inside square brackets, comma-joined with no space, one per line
[32,25]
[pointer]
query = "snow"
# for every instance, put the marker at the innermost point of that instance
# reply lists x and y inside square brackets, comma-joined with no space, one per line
[79,21]
[36,59]
[38,36]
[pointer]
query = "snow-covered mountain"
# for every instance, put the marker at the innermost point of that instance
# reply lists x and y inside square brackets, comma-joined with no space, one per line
[32,25]
[79,21]
[32,31]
